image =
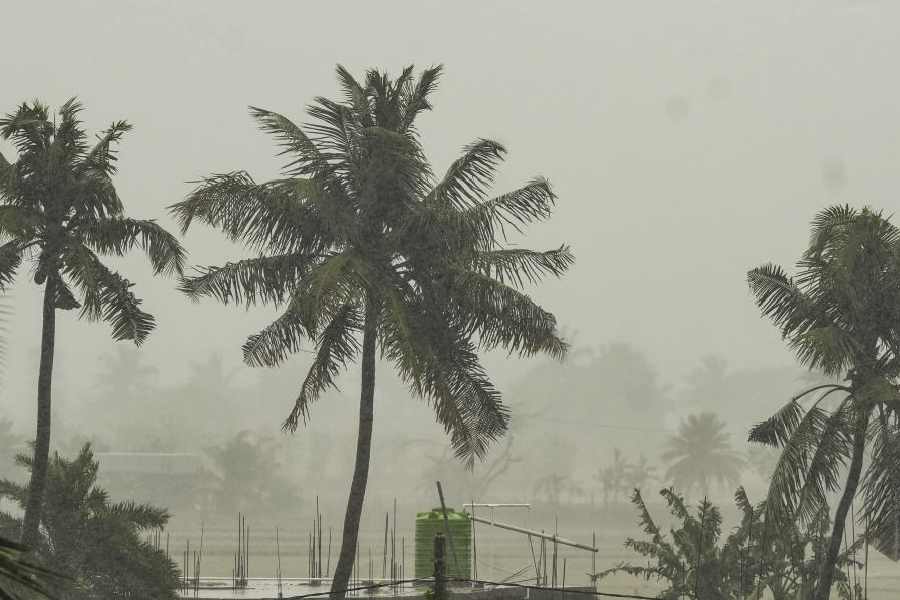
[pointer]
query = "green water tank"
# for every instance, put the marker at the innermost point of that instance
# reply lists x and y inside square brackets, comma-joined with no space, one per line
[429,524]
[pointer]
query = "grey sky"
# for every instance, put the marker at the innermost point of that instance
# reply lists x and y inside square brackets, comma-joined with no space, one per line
[688,141]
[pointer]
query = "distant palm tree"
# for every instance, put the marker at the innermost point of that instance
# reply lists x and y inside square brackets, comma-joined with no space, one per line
[841,315]
[640,474]
[701,454]
[358,240]
[59,208]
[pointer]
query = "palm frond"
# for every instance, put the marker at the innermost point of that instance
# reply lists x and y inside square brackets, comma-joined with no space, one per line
[789,477]
[118,235]
[829,348]
[101,159]
[881,485]
[488,221]
[280,216]
[824,468]
[504,317]
[141,516]
[326,287]
[466,181]
[308,160]
[355,96]
[443,368]
[10,259]
[784,302]
[29,127]
[16,568]
[278,340]
[107,295]
[249,281]
[516,266]
[777,429]
[337,346]
[415,98]
[826,222]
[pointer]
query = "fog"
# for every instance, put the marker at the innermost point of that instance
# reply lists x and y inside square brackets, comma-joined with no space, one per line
[687,141]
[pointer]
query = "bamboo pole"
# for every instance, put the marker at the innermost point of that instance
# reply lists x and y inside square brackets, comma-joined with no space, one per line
[384,562]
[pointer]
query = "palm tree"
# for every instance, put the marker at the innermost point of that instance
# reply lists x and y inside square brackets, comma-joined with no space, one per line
[59,209]
[358,239]
[701,454]
[98,545]
[841,315]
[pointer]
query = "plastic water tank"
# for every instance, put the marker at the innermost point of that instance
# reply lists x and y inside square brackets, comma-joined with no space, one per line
[429,524]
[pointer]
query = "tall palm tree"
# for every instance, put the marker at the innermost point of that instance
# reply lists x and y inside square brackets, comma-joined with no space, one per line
[841,315]
[59,210]
[701,454]
[358,239]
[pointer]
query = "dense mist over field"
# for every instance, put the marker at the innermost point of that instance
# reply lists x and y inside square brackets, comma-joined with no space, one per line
[687,142]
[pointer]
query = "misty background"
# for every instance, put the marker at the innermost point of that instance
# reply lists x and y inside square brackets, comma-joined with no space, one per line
[688,142]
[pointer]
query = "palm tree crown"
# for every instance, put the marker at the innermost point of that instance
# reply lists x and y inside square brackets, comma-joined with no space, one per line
[701,454]
[58,208]
[357,227]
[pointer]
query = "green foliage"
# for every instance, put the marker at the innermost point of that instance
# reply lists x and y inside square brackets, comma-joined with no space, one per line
[60,210]
[19,576]
[701,455]
[95,542]
[841,315]
[695,561]
[358,225]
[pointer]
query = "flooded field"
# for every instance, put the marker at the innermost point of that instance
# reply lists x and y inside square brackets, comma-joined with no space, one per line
[501,557]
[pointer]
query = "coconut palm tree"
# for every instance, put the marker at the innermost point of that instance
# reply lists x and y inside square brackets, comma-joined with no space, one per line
[357,239]
[59,210]
[841,315]
[701,454]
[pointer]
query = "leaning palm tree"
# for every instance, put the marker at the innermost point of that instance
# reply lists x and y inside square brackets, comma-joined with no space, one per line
[357,240]
[59,210]
[701,455]
[841,315]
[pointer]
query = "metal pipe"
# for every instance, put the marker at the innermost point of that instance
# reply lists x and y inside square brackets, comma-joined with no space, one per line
[472,504]
[537,534]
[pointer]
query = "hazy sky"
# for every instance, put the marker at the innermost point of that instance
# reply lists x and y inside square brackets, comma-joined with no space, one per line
[688,141]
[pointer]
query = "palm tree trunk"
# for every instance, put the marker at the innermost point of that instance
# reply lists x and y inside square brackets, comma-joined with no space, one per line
[350,535]
[826,569]
[31,522]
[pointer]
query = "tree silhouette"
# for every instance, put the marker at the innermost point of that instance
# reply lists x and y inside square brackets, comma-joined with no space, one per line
[841,315]
[59,209]
[700,455]
[357,240]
